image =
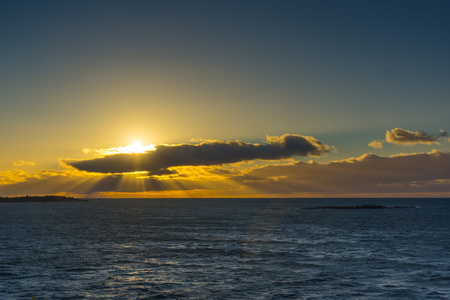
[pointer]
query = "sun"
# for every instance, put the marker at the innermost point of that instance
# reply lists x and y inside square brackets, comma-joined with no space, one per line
[135,148]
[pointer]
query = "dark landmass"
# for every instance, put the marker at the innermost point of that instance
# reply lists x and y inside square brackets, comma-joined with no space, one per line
[39,199]
[364,206]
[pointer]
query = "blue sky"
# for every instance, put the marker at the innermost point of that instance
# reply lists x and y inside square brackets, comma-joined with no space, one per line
[102,74]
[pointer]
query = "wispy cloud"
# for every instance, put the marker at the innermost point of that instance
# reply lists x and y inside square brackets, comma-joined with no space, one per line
[203,154]
[23,163]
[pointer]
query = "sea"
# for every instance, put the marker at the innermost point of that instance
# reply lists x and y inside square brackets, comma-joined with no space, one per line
[225,249]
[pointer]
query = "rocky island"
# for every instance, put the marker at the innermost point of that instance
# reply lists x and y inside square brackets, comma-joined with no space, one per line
[364,206]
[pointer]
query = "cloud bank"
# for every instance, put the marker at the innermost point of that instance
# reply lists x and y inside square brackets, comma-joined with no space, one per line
[203,154]
[367,174]
[406,137]
[411,175]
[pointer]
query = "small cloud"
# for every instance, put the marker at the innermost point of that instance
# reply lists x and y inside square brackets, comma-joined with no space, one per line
[442,133]
[378,144]
[406,137]
[23,163]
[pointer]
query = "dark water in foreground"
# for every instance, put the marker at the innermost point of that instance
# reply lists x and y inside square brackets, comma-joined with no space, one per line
[224,249]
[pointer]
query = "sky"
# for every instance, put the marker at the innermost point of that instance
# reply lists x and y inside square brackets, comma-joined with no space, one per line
[228,98]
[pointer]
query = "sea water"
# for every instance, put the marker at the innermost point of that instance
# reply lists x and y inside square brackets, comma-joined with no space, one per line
[225,249]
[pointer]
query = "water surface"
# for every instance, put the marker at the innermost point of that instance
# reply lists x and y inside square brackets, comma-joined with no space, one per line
[225,249]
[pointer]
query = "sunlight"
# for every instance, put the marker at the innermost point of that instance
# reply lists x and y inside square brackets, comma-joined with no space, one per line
[135,147]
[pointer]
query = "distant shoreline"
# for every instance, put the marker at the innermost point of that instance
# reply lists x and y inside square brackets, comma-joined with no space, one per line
[48,198]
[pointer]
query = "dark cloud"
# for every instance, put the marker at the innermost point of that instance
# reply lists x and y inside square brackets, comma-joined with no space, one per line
[421,172]
[206,154]
[406,137]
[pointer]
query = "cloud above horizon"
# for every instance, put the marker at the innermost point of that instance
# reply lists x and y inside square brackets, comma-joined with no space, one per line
[418,174]
[204,154]
[405,137]
[369,173]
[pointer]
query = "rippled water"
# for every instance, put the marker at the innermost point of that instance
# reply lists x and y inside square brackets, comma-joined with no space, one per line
[224,249]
